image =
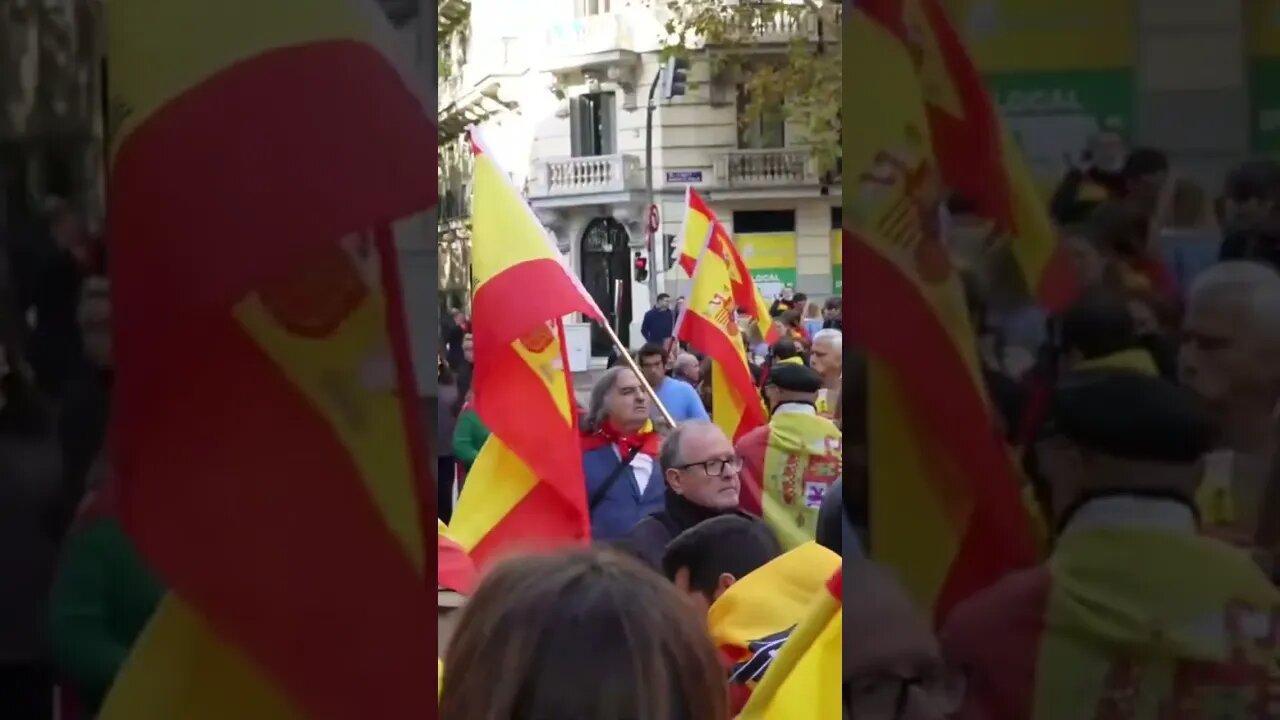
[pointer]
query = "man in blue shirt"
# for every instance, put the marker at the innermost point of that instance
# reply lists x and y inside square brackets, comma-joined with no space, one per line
[677,396]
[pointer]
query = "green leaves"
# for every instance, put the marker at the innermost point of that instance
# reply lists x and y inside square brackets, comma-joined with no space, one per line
[785,57]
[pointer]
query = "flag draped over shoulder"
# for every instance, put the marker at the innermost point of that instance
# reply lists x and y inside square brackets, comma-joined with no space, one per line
[945,502]
[804,680]
[267,436]
[709,324]
[701,228]
[526,489]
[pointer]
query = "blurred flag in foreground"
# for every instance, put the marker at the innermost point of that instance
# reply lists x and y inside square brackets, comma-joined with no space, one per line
[701,228]
[803,682]
[709,324]
[526,488]
[946,508]
[267,429]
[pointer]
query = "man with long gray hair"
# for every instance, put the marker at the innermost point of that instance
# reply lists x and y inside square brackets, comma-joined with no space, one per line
[620,455]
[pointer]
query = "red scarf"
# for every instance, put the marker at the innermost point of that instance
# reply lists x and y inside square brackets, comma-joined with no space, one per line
[645,440]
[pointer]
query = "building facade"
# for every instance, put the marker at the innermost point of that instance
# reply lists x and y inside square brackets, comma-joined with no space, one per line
[560,89]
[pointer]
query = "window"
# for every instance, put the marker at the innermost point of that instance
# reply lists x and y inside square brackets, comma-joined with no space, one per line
[764,132]
[586,8]
[764,221]
[592,124]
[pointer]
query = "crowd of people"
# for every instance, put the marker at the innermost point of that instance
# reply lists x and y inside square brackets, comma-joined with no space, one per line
[745,533]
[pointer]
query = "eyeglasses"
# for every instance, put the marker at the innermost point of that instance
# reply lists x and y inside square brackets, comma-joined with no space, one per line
[888,697]
[716,466]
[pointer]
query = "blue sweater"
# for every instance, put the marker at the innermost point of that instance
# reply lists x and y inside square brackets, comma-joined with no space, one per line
[658,325]
[681,400]
[624,505]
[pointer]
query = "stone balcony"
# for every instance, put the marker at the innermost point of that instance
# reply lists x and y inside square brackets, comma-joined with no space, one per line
[765,168]
[578,176]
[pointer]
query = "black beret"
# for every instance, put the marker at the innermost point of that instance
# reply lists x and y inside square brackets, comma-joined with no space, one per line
[1131,415]
[795,377]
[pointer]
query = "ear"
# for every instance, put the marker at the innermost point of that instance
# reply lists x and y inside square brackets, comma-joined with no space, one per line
[723,584]
[674,481]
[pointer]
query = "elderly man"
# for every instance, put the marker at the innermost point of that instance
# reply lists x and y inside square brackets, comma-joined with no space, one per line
[789,464]
[1135,608]
[826,356]
[620,455]
[701,472]
[1230,357]
[687,368]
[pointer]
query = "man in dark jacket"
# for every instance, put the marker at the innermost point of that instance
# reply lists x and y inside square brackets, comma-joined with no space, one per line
[659,323]
[701,471]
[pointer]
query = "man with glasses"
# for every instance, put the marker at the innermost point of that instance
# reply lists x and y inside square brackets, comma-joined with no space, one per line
[701,473]
[789,464]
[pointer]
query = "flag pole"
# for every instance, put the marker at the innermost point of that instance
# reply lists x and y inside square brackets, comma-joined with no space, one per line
[631,363]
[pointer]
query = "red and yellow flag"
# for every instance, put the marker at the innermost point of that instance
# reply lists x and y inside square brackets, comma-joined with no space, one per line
[267,429]
[803,682]
[701,228]
[946,511]
[526,488]
[709,323]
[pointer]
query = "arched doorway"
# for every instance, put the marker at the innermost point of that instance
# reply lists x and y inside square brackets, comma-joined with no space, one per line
[606,273]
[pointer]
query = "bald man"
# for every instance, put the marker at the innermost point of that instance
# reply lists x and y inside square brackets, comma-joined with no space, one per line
[892,664]
[1230,357]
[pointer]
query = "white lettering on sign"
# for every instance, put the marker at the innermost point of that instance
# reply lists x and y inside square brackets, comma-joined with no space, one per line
[1058,100]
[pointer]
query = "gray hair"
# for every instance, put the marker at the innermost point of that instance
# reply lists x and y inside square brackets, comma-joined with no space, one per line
[597,409]
[669,454]
[686,359]
[1258,284]
[832,335]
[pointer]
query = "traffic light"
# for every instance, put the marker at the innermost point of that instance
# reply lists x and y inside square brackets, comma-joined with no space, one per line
[673,252]
[675,77]
[641,264]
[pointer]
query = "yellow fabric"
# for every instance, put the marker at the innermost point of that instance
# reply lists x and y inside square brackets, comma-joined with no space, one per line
[1154,619]
[823,403]
[179,668]
[504,230]
[803,682]
[773,598]
[803,458]
[1215,497]
[162,48]
[711,298]
[695,232]
[439,678]
[1136,360]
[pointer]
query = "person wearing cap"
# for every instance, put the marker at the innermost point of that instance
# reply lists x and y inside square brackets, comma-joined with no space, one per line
[789,464]
[1134,608]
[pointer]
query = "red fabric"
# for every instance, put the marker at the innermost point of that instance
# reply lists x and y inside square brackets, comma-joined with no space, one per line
[752,448]
[1154,270]
[457,572]
[647,442]
[994,639]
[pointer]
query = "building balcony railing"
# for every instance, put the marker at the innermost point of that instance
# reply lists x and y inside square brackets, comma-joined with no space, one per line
[765,168]
[558,177]
[589,35]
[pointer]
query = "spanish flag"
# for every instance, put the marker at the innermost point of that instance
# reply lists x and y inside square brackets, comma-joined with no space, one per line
[701,228]
[709,323]
[977,158]
[803,682]
[946,510]
[526,488]
[267,427]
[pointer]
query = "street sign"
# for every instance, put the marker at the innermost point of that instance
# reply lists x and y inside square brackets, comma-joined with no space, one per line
[684,176]
[654,221]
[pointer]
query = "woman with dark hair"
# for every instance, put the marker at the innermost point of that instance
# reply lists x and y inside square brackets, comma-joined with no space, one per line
[30,480]
[583,635]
